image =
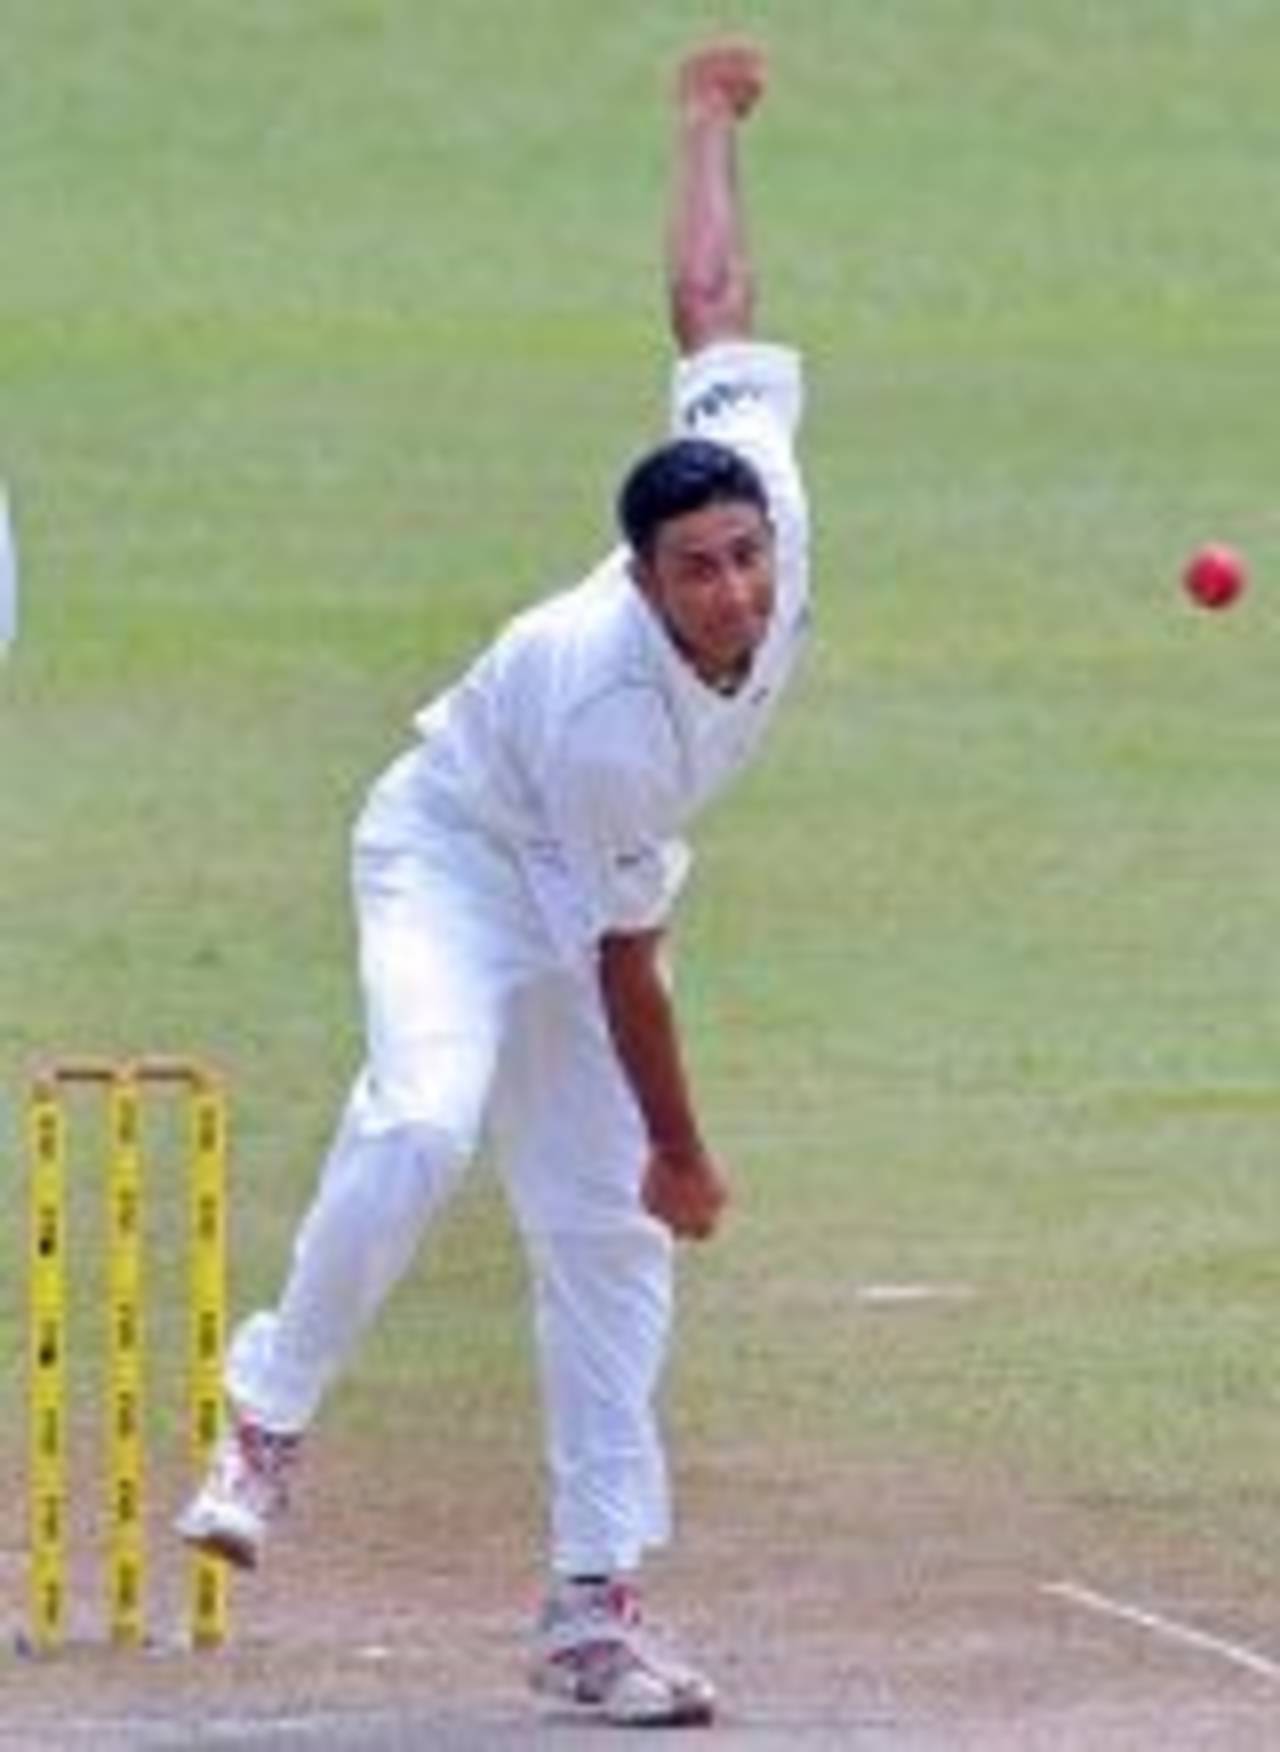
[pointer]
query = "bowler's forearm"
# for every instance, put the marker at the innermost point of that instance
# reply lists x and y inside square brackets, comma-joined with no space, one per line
[645,1036]
[708,265]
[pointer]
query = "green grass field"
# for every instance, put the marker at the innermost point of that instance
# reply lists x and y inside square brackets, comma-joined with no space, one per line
[325,330]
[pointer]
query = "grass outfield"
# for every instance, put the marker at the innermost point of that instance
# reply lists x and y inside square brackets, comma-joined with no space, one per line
[325,330]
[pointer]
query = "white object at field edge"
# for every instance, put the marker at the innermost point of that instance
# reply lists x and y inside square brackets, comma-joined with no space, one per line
[904,1295]
[8,576]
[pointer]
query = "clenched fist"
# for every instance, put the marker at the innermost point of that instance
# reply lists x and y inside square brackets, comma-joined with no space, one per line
[726,77]
[688,1195]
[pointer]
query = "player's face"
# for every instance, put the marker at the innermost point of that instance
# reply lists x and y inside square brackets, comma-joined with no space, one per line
[710,579]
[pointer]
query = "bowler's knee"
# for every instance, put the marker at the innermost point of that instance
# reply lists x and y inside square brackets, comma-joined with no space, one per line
[439,1124]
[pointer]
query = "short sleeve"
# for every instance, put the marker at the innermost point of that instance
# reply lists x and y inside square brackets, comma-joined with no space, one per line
[732,383]
[748,395]
[613,809]
[628,877]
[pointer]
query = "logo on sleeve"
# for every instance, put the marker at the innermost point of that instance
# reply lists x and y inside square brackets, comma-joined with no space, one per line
[717,400]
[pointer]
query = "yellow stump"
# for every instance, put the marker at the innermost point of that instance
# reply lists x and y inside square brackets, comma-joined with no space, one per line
[206,1167]
[126,1537]
[207,1323]
[46,1371]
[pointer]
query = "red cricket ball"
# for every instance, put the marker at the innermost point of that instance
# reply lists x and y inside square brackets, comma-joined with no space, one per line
[1214,576]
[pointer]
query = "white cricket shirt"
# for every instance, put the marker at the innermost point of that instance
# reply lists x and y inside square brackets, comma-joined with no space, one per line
[581,738]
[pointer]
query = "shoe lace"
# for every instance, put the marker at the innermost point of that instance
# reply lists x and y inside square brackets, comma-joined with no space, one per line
[266,1458]
[267,1450]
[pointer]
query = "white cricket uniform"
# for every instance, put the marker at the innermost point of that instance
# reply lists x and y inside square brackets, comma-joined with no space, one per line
[542,806]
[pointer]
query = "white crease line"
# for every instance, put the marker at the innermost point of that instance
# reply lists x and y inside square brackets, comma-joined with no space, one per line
[1237,1653]
[899,1295]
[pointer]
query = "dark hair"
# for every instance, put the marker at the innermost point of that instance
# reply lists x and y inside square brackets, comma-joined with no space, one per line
[684,475]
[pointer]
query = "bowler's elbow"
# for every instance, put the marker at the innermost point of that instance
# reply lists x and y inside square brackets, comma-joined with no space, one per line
[706,308]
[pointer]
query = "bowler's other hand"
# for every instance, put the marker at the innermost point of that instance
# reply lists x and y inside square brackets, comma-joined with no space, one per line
[725,77]
[687,1194]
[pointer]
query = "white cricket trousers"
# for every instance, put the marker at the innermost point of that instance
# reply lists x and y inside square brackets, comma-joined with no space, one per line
[470,1019]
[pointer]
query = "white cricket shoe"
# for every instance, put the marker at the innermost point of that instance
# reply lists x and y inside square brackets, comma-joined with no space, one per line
[247,1487]
[593,1650]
